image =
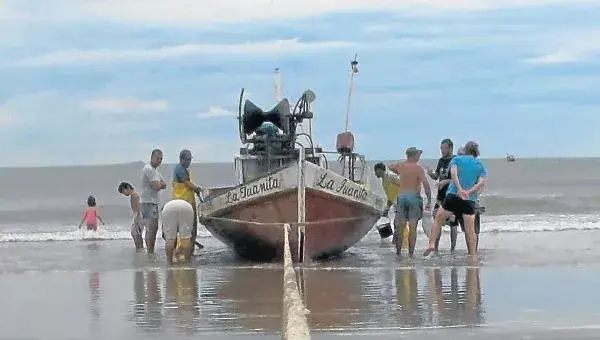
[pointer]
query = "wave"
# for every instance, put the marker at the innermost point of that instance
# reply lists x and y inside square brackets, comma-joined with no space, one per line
[103,234]
[64,236]
[540,223]
[537,196]
[531,223]
[545,204]
[525,223]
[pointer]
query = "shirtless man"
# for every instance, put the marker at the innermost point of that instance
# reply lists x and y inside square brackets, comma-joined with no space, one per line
[152,183]
[468,176]
[409,204]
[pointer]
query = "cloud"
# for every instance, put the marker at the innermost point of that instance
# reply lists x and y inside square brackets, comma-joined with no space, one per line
[125,104]
[214,112]
[168,52]
[193,12]
[53,128]
[569,47]
[555,58]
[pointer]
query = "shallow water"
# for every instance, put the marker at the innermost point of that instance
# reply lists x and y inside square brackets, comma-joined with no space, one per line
[524,284]
[497,249]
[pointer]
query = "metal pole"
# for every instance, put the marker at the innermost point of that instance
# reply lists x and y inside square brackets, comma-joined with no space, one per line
[353,71]
[301,206]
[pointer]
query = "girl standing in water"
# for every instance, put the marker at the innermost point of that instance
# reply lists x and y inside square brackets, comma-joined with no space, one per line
[90,215]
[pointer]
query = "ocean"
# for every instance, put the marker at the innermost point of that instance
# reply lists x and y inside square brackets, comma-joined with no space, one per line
[536,276]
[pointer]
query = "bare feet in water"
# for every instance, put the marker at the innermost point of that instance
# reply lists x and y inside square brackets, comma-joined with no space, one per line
[472,260]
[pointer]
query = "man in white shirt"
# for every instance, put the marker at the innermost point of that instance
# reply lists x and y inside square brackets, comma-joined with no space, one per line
[152,183]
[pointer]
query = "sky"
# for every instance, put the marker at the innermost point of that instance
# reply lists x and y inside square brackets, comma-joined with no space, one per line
[106,81]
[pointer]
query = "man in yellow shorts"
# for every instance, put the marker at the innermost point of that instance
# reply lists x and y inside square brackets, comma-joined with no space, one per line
[391,185]
[185,189]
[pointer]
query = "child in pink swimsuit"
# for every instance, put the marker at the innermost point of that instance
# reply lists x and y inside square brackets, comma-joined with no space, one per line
[90,215]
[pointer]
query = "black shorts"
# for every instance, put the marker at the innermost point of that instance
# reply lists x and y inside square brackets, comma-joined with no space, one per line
[452,222]
[458,206]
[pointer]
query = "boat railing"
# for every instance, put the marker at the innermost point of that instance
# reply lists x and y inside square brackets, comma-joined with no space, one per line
[351,165]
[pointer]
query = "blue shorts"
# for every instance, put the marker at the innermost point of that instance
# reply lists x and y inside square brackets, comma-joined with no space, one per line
[149,211]
[409,206]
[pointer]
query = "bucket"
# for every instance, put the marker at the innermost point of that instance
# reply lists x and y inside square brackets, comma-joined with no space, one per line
[427,222]
[385,229]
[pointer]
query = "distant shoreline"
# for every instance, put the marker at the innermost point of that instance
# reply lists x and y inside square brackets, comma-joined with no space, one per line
[225,163]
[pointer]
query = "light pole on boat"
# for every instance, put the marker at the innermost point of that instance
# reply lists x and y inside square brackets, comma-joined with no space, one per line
[345,140]
[353,72]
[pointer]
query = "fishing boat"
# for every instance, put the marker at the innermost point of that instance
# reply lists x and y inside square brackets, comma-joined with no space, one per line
[510,158]
[284,181]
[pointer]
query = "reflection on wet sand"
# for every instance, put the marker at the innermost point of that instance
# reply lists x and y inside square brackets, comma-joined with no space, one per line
[333,297]
[180,307]
[147,304]
[94,287]
[92,250]
[456,305]
[181,304]
[255,298]
[410,301]
[345,299]
[250,299]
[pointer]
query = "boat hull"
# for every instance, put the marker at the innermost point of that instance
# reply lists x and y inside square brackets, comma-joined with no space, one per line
[253,228]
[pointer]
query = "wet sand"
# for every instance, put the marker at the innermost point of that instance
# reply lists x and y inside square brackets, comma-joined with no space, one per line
[102,289]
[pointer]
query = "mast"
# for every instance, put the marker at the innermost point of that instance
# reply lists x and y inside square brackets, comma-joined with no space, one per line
[353,72]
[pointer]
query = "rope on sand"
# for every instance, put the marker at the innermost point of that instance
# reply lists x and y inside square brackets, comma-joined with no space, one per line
[294,322]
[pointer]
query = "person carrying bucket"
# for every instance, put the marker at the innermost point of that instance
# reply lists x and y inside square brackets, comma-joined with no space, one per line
[391,186]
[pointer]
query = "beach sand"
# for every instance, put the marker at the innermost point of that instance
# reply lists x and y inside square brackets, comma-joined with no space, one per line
[526,286]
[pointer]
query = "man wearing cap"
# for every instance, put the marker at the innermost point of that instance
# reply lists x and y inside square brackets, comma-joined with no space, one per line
[468,176]
[409,203]
[185,189]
